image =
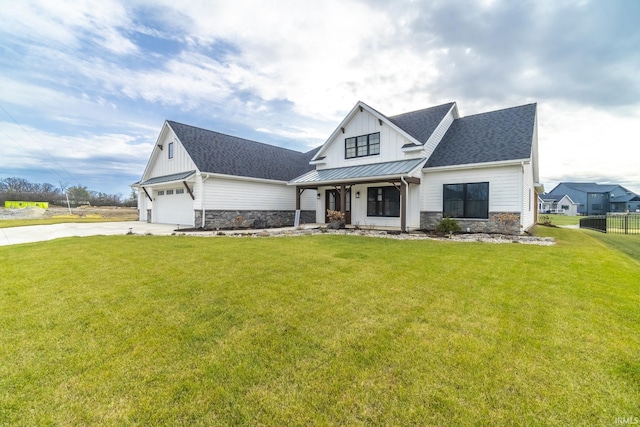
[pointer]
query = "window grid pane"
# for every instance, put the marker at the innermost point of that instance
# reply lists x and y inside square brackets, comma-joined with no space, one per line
[466,200]
[383,201]
[361,146]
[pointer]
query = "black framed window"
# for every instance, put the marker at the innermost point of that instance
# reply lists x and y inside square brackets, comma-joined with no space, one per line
[361,146]
[383,201]
[466,200]
[170,150]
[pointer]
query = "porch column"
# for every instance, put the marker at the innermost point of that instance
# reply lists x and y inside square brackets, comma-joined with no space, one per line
[343,199]
[403,207]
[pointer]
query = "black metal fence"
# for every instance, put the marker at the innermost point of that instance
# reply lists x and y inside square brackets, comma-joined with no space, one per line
[613,223]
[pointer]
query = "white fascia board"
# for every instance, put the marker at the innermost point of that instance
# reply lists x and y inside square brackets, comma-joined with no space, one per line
[478,165]
[454,111]
[411,149]
[242,178]
[355,110]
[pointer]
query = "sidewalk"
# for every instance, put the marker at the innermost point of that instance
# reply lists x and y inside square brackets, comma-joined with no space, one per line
[40,233]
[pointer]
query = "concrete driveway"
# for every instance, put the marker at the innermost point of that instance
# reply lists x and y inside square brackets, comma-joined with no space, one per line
[39,233]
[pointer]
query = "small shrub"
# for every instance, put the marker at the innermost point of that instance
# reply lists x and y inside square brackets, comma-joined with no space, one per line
[335,216]
[448,225]
[544,219]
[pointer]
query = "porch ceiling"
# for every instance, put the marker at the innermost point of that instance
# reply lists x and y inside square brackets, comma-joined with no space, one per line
[360,173]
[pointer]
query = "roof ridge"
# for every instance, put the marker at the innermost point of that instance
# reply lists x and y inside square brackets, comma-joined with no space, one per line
[239,137]
[421,109]
[498,110]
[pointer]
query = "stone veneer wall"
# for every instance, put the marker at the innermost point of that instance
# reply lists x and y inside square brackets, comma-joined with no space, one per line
[219,219]
[429,220]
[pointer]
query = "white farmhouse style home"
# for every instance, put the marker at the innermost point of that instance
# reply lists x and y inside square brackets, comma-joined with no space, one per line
[402,172]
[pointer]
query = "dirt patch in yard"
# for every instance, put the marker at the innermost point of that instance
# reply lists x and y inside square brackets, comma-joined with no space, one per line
[106,212]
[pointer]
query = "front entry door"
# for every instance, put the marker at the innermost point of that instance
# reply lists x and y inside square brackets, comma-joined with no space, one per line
[332,202]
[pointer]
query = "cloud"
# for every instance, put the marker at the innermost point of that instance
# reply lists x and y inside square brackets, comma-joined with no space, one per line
[74,157]
[585,143]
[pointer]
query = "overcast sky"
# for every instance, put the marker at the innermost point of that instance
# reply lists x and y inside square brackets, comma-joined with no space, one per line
[85,86]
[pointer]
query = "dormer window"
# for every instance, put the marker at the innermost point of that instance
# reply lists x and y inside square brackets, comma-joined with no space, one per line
[170,150]
[361,146]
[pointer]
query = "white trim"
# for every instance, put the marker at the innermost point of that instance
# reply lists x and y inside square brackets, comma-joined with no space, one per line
[477,165]
[349,180]
[411,149]
[243,178]
[154,152]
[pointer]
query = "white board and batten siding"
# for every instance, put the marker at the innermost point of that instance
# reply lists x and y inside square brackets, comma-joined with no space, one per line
[504,183]
[240,194]
[163,165]
[364,123]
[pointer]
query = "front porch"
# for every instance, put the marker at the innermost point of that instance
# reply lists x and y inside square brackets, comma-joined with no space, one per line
[376,194]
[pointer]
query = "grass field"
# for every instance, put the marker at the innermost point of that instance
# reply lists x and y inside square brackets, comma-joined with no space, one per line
[317,330]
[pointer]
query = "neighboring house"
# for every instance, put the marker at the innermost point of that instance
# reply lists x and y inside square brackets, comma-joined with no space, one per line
[401,172]
[558,205]
[596,199]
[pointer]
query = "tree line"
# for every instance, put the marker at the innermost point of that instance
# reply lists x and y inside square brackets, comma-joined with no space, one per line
[20,189]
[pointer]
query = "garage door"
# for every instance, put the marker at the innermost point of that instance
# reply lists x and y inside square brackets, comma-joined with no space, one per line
[173,206]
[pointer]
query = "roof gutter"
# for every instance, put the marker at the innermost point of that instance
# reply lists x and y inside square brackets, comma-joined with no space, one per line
[517,162]
[361,180]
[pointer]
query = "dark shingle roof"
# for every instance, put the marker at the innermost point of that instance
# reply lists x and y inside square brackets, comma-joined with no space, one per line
[229,155]
[488,137]
[421,124]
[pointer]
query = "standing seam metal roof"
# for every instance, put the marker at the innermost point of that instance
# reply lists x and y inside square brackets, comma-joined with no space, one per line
[396,168]
[168,178]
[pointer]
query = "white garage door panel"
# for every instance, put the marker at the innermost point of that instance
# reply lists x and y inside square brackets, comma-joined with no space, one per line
[174,209]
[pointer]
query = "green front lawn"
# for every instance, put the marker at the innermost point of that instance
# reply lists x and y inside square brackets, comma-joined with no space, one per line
[316,330]
[559,220]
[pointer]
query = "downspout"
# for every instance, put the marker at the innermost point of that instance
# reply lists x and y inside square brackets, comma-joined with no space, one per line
[204,209]
[522,203]
[406,202]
